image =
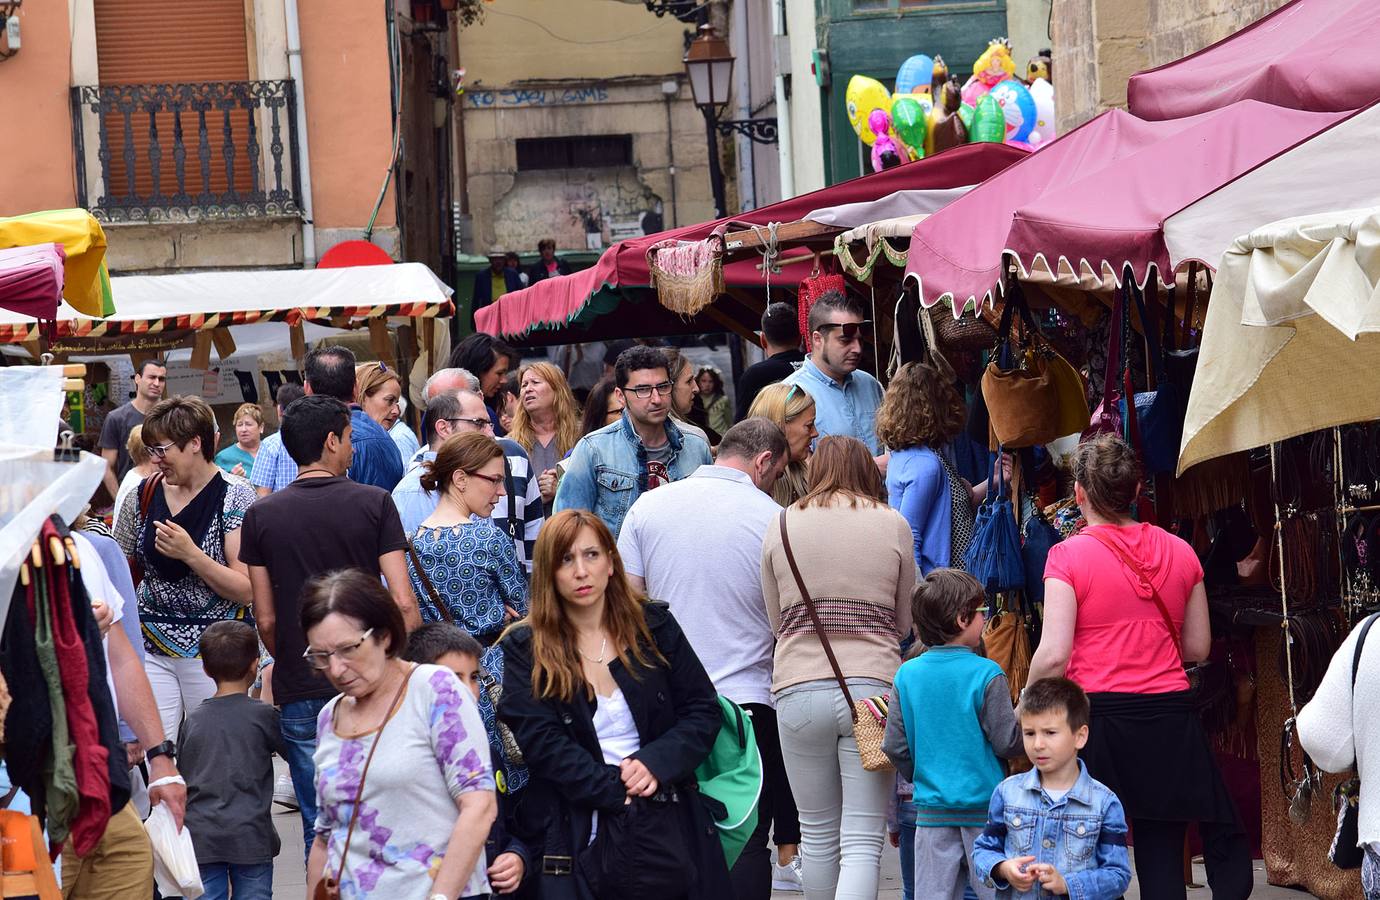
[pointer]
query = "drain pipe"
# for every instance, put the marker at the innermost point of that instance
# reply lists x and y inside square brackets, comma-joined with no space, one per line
[785,146]
[303,162]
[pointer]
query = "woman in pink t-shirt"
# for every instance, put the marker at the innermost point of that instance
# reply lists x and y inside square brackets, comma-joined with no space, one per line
[1124,608]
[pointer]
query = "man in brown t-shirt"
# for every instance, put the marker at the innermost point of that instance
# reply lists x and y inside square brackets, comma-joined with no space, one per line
[320,522]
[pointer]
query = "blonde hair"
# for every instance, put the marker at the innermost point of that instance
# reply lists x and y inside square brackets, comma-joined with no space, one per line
[782,403]
[134,445]
[564,407]
[370,378]
[248,409]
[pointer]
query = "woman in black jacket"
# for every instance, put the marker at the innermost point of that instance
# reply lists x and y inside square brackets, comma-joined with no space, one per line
[613,712]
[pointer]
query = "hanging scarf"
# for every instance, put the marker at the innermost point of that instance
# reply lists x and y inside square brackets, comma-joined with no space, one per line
[195,518]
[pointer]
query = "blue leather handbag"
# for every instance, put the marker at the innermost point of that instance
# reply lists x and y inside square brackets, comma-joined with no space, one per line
[994,556]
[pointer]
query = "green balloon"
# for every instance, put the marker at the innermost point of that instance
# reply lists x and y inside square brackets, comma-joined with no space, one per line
[989,123]
[965,114]
[910,123]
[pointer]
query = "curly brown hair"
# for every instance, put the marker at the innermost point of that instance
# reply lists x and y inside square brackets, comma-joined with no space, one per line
[920,409]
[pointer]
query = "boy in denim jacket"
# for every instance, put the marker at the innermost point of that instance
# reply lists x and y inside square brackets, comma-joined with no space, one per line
[1054,831]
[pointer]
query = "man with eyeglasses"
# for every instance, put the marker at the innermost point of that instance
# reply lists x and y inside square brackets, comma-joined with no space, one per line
[150,379]
[455,410]
[613,466]
[846,398]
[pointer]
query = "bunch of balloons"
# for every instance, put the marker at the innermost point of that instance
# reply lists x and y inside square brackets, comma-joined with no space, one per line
[929,112]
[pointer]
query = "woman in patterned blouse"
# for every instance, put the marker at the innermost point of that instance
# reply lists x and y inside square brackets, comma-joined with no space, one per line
[470,565]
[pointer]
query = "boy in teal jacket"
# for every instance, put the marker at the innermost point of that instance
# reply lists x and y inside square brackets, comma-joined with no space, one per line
[951,723]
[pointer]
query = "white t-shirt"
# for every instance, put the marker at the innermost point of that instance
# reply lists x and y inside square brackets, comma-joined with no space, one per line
[99,587]
[698,545]
[130,483]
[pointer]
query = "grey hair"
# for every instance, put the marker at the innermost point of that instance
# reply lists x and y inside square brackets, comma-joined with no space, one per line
[445,405]
[753,436]
[440,376]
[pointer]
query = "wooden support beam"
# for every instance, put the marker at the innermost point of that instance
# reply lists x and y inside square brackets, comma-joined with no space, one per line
[224,342]
[731,323]
[380,340]
[201,350]
[298,341]
[735,242]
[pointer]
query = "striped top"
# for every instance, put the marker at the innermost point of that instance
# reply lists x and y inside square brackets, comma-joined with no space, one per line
[859,569]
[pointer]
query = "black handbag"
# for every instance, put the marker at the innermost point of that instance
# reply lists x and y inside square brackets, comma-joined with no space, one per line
[1344,852]
[642,850]
[1159,413]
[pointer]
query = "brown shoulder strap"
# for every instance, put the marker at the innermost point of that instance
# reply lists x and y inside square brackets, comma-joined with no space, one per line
[146,492]
[1143,576]
[427,585]
[814,617]
[359,795]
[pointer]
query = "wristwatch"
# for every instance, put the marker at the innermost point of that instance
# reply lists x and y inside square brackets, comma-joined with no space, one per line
[438,897]
[167,748]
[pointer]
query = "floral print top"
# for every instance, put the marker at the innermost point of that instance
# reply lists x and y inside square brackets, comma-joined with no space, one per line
[432,751]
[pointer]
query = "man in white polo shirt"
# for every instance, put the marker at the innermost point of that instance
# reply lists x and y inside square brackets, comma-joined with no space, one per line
[697,545]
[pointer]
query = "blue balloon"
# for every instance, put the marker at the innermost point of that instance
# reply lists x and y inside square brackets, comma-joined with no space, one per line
[914,72]
[1018,106]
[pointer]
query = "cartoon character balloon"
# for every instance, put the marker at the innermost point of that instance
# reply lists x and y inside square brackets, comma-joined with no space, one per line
[939,77]
[1017,106]
[885,151]
[863,96]
[914,75]
[1042,92]
[991,68]
[1039,66]
[947,128]
[910,121]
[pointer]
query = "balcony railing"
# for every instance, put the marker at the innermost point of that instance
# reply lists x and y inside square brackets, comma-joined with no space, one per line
[187,152]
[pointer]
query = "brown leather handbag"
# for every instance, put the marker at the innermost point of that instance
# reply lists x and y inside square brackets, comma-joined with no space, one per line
[1021,392]
[328,888]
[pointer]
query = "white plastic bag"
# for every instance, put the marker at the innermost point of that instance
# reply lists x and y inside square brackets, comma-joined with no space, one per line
[174,859]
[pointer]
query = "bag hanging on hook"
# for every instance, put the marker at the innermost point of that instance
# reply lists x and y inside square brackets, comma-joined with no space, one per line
[811,288]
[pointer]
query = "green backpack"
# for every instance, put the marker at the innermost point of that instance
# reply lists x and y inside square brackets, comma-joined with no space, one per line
[731,776]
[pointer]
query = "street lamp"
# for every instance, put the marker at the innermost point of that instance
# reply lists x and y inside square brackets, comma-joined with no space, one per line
[709,66]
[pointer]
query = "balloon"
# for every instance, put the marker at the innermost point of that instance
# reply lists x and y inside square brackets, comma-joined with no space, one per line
[1038,67]
[965,112]
[947,128]
[992,67]
[914,74]
[1017,106]
[1022,145]
[862,97]
[940,76]
[988,122]
[1044,131]
[885,151]
[910,119]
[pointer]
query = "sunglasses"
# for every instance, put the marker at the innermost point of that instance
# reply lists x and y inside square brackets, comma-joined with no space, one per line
[848,331]
[643,391]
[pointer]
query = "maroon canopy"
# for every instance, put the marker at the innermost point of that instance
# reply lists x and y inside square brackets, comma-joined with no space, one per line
[31,279]
[1309,54]
[582,297]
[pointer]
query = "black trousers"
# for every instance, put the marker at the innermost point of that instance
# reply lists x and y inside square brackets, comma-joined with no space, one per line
[776,814]
[1159,859]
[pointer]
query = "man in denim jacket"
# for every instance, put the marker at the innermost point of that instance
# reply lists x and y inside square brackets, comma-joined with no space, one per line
[611,467]
[1054,831]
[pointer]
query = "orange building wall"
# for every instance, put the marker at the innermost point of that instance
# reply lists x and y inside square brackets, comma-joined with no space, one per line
[345,67]
[36,141]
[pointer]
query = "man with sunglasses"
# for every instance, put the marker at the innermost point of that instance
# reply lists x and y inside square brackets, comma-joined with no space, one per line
[846,398]
[613,466]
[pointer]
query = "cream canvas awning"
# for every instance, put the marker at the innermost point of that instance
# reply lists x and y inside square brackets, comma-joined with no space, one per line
[1292,338]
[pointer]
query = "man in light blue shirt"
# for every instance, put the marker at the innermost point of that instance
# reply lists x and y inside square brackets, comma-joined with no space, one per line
[846,399]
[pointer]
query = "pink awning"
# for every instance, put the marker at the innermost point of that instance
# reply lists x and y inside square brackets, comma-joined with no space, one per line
[1096,198]
[583,296]
[1308,54]
[31,280]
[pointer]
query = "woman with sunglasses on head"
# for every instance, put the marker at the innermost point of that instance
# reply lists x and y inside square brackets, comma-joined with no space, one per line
[403,778]
[380,394]
[793,409]
[181,529]
[614,712]
[465,569]
[546,422]
[1125,608]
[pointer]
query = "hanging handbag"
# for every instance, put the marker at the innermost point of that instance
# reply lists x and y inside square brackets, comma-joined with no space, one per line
[492,686]
[1106,417]
[964,333]
[1037,537]
[869,714]
[994,557]
[1021,395]
[1344,852]
[1159,413]
[328,888]
[1006,641]
[811,288]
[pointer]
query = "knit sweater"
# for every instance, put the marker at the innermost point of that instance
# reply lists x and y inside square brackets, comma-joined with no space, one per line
[858,567]
[1338,730]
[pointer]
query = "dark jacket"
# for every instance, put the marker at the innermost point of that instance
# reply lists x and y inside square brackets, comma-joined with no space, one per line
[484,287]
[677,716]
[537,271]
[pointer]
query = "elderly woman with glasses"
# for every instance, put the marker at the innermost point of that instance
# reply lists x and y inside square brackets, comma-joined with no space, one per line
[181,529]
[404,783]
[464,568]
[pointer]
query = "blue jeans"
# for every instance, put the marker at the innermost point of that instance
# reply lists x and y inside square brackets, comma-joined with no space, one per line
[297,721]
[905,812]
[247,882]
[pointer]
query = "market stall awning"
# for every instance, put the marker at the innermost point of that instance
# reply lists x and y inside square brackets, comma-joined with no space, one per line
[195,301]
[1292,338]
[1308,54]
[1094,200]
[584,296]
[86,281]
[31,279]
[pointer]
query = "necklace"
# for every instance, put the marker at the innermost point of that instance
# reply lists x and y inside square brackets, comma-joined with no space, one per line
[327,472]
[603,645]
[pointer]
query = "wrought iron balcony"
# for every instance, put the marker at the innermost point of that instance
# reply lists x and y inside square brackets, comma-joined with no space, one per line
[187,152]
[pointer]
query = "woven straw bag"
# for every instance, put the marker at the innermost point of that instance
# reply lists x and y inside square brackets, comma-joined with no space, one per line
[688,276]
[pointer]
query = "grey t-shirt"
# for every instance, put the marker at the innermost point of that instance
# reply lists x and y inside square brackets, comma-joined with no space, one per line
[225,752]
[115,432]
[658,465]
[543,456]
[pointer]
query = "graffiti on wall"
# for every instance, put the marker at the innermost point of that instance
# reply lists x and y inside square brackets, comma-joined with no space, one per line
[513,97]
[578,208]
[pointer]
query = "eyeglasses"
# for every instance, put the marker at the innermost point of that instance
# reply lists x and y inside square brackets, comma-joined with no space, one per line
[321,659]
[495,480]
[478,424]
[643,391]
[848,331]
[160,451]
